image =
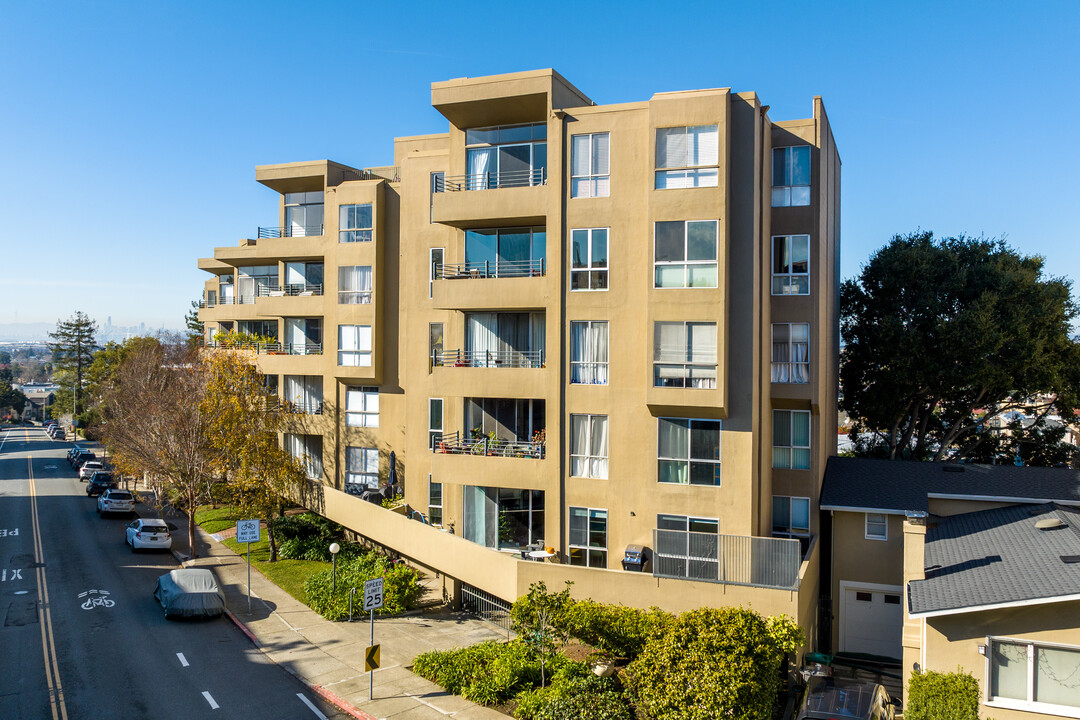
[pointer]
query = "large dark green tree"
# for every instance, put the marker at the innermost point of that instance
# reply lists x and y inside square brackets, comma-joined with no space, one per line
[943,338]
[11,398]
[73,346]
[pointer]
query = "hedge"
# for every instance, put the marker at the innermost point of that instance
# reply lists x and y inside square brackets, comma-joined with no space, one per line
[401,587]
[942,696]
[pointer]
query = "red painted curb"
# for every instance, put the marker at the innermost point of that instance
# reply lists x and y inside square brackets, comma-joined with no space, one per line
[243,628]
[341,704]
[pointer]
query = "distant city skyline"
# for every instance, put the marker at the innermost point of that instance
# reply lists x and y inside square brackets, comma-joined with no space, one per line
[127,156]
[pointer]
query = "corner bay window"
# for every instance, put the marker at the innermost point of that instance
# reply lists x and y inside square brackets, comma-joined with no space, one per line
[589,446]
[589,352]
[688,451]
[588,537]
[589,165]
[791,353]
[1037,677]
[361,469]
[354,345]
[791,439]
[687,157]
[684,354]
[355,223]
[791,265]
[791,176]
[685,254]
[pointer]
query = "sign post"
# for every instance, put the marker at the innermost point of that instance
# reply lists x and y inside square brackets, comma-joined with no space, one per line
[373,600]
[247,531]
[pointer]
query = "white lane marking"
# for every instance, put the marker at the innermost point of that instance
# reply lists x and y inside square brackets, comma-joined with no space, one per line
[183,660]
[21,592]
[209,699]
[311,706]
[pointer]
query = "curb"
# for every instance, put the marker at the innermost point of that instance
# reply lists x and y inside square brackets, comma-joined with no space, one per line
[341,704]
[244,629]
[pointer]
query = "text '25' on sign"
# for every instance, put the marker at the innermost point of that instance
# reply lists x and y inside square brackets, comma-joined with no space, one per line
[373,594]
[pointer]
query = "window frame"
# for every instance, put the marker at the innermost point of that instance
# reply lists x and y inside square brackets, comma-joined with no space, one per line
[350,233]
[788,163]
[689,461]
[434,432]
[434,266]
[593,178]
[589,269]
[790,276]
[311,460]
[365,453]
[685,263]
[588,548]
[791,448]
[688,171]
[431,502]
[789,362]
[365,414]
[791,531]
[688,364]
[1029,704]
[587,456]
[356,297]
[358,351]
[601,367]
[884,523]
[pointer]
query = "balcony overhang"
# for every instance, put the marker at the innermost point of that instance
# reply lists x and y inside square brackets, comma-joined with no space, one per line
[504,99]
[215,266]
[308,176]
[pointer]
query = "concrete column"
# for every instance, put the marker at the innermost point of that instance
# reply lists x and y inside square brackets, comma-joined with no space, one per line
[914,569]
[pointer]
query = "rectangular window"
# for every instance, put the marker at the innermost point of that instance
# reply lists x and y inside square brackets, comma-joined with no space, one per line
[790,516]
[791,265]
[791,176]
[304,394]
[354,285]
[688,451]
[791,353]
[684,354]
[434,505]
[506,156]
[355,223]
[362,407]
[435,421]
[589,352]
[361,469]
[791,439]
[588,537]
[685,254]
[354,345]
[303,214]
[435,261]
[1037,677]
[589,446]
[589,165]
[589,259]
[505,252]
[255,281]
[687,547]
[877,526]
[435,343]
[308,450]
[687,157]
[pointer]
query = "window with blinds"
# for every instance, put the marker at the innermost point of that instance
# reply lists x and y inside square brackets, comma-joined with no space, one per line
[684,253]
[687,157]
[684,354]
[590,165]
[791,439]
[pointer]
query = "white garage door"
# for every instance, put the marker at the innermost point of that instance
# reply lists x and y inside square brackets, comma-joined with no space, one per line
[872,620]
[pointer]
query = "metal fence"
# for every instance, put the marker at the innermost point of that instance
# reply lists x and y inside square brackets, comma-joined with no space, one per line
[491,180]
[491,269]
[454,444]
[290,231]
[488,358]
[730,559]
[485,606]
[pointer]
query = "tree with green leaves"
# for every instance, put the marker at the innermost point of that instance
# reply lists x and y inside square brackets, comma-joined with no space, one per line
[942,337]
[11,399]
[73,346]
[194,325]
[539,619]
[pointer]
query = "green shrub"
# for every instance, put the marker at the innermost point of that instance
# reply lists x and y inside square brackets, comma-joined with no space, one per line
[489,673]
[575,693]
[713,662]
[401,586]
[616,629]
[942,696]
[308,536]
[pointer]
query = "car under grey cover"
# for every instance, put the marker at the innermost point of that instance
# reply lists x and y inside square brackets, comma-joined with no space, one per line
[190,592]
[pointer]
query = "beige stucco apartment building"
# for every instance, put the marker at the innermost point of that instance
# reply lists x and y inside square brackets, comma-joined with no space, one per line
[578,327]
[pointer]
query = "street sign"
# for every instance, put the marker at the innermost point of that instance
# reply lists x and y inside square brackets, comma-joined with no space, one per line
[247,531]
[371,658]
[373,594]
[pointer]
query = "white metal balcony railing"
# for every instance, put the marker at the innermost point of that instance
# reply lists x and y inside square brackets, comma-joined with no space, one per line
[491,269]
[488,359]
[288,289]
[271,348]
[454,444]
[492,180]
[290,231]
[228,300]
[303,407]
[730,559]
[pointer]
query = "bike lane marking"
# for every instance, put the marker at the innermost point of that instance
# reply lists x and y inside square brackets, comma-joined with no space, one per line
[48,636]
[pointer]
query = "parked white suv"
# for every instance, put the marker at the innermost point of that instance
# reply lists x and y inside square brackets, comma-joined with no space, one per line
[147,533]
[114,500]
[89,468]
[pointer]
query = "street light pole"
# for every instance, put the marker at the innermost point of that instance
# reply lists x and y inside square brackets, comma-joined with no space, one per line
[334,550]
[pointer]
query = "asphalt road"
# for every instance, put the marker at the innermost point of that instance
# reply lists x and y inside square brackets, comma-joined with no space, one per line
[63,661]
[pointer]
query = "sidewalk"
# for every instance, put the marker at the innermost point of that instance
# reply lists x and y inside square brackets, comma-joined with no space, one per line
[329,656]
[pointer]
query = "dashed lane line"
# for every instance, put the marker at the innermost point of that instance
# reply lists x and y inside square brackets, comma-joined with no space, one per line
[311,706]
[210,699]
[183,660]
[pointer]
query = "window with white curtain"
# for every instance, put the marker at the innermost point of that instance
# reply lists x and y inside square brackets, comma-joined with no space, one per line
[355,223]
[589,165]
[791,265]
[303,214]
[687,157]
[791,176]
[791,353]
[588,537]
[791,439]
[354,285]
[589,352]
[354,345]
[684,354]
[688,451]
[1036,677]
[308,450]
[685,254]
[361,469]
[589,446]
[790,516]
[506,156]
[502,340]
[362,407]
[876,526]
[304,394]
[589,259]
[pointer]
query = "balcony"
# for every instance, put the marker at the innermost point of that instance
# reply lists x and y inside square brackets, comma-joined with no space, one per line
[489,359]
[491,180]
[290,231]
[455,444]
[468,201]
[272,348]
[288,290]
[492,269]
[729,559]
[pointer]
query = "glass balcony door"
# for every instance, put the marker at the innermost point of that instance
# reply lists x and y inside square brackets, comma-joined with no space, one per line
[503,517]
[504,339]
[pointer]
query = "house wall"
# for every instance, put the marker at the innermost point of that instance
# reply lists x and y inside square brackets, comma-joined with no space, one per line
[855,559]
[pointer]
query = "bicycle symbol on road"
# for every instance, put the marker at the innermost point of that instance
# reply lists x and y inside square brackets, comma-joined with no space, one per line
[96,598]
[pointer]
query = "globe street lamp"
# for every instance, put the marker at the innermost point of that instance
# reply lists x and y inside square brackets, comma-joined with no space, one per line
[334,550]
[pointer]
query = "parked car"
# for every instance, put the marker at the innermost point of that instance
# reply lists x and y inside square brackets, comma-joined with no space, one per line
[73,451]
[82,457]
[831,698]
[114,500]
[147,534]
[89,468]
[99,483]
[190,592]
[57,433]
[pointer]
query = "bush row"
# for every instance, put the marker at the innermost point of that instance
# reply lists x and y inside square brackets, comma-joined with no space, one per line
[401,586]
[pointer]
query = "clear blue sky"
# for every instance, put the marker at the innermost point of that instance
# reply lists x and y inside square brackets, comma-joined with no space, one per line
[129,131]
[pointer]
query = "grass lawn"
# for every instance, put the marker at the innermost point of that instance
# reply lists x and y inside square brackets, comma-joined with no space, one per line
[289,575]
